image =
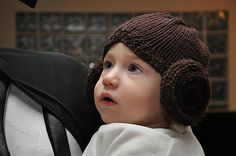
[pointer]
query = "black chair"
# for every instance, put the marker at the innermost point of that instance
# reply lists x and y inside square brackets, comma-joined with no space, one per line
[56,119]
[217,133]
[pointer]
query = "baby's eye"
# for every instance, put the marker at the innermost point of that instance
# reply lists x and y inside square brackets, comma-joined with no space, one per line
[107,65]
[134,68]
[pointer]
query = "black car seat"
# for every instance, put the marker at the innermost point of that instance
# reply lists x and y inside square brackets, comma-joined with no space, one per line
[43,110]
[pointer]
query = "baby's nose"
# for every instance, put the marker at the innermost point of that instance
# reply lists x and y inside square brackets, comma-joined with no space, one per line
[111,79]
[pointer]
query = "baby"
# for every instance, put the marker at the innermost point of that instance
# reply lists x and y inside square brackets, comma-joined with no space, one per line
[149,87]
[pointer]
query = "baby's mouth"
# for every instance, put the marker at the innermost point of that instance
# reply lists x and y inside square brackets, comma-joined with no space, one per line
[107,100]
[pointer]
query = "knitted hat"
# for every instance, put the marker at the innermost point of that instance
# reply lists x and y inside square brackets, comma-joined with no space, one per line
[173,50]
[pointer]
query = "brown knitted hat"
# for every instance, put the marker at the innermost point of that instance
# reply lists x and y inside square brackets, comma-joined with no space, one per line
[173,50]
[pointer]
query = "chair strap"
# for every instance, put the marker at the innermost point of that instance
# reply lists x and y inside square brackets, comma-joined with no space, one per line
[4,84]
[57,134]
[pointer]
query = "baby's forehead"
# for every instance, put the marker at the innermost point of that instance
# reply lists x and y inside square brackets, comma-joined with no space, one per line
[121,49]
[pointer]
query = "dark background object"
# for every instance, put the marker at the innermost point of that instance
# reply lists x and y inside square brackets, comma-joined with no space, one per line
[217,133]
[30,3]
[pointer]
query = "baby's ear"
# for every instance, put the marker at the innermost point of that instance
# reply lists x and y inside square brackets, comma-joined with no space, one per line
[185,91]
[92,78]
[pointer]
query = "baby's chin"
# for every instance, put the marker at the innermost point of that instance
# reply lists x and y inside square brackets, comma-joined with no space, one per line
[109,121]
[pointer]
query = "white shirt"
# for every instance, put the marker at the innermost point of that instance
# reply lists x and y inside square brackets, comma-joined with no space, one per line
[121,139]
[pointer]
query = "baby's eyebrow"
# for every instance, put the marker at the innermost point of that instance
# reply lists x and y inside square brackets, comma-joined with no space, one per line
[108,55]
[132,56]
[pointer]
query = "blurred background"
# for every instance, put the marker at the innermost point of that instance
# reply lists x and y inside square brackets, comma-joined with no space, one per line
[79,27]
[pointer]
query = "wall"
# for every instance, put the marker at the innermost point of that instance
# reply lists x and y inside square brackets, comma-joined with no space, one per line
[8,8]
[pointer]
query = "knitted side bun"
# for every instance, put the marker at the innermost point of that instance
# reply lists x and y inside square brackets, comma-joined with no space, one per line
[185,91]
[173,50]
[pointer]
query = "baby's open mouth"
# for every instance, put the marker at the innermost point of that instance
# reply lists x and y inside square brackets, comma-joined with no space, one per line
[108,99]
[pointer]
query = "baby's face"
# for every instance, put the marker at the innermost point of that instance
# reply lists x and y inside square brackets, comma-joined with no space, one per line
[128,90]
